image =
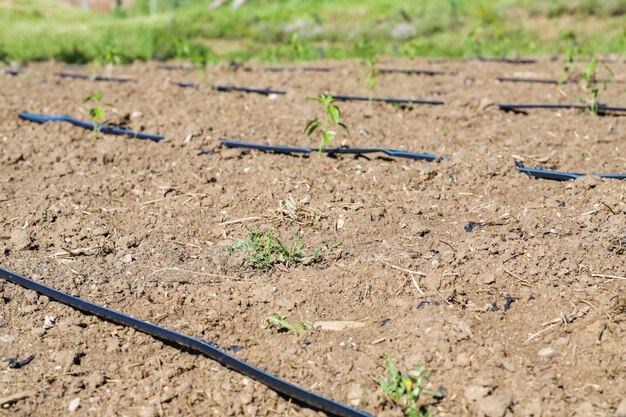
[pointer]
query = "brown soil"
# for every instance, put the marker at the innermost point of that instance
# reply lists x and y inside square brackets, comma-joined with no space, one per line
[72,206]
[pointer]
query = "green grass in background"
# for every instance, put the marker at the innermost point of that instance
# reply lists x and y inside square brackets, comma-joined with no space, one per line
[291,30]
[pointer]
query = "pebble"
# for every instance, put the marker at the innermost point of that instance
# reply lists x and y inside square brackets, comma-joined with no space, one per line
[48,322]
[74,404]
[340,223]
[547,352]
[475,392]
[493,405]
[128,258]
[7,338]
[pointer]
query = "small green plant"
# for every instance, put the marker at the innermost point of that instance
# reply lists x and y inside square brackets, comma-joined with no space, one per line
[266,250]
[570,58]
[591,86]
[280,322]
[97,112]
[405,390]
[332,117]
[374,72]
[107,54]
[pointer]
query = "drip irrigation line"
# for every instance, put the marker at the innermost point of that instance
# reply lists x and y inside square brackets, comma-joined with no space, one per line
[13,72]
[94,78]
[413,72]
[178,67]
[508,60]
[292,69]
[39,118]
[389,100]
[332,151]
[544,81]
[196,345]
[562,176]
[521,107]
[263,91]
[186,85]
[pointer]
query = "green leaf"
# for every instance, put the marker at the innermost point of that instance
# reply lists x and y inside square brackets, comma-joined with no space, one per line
[311,126]
[97,113]
[334,113]
[343,125]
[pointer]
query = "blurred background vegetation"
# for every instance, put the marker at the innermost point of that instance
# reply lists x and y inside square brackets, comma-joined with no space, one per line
[291,30]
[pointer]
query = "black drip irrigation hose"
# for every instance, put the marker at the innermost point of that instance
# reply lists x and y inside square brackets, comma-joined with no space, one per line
[13,72]
[544,81]
[196,345]
[389,100]
[39,118]
[293,69]
[414,72]
[186,85]
[94,77]
[332,151]
[187,67]
[601,108]
[265,92]
[508,60]
[562,176]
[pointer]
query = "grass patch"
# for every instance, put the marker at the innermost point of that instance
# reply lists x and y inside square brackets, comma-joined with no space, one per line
[292,30]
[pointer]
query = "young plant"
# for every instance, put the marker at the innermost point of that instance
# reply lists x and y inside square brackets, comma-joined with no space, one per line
[405,390]
[265,250]
[591,86]
[280,322]
[332,118]
[374,71]
[97,112]
[568,64]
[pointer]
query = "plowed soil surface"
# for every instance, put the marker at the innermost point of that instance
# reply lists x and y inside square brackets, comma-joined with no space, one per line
[144,228]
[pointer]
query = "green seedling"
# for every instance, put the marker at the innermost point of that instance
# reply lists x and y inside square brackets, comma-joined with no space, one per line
[332,118]
[568,64]
[591,87]
[406,389]
[265,250]
[97,112]
[280,322]
[374,72]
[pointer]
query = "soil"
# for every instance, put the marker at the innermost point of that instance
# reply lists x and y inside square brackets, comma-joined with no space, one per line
[144,228]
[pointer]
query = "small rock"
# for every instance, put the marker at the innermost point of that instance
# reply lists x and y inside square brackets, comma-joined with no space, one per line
[355,394]
[48,322]
[136,114]
[74,404]
[100,231]
[493,405]
[21,239]
[475,392]
[3,197]
[128,258]
[340,222]
[547,352]
[7,338]
[488,278]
